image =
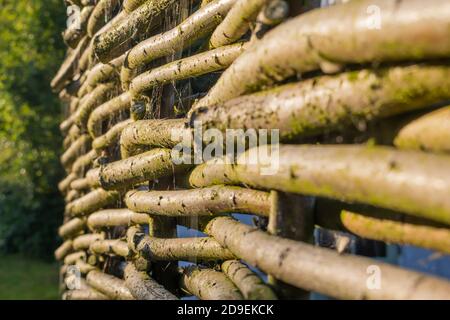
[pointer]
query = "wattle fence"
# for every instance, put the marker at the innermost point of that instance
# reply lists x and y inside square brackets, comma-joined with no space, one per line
[210,144]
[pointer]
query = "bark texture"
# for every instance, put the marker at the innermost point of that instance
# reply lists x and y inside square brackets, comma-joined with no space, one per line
[142,287]
[408,31]
[114,42]
[250,285]
[200,202]
[150,165]
[208,284]
[116,217]
[322,270]
[430,133]
[411,182]
[196,26]
[109,285]
[328,103]
[184,249]
[92,202]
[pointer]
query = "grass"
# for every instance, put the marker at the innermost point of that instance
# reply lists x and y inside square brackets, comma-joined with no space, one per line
[27,279]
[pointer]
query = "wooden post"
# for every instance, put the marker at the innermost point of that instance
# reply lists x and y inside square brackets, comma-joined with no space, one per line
[291,217]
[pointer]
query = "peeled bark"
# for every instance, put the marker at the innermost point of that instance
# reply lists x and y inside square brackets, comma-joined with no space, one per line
[150,165]
[151,133]
[184,249]
[92,202]
[107,110]
[397,232]
[190,67]
[109,285]
[198,202]
[142,287]
[208,284]
[328,103]
[409,30]
[84,241]
[102,12]
[116,217]
[72,227]
[411,182]
[111,137]
[196,26]
[115,41]
[237,22]
[97,97]
[250,285]
[323,270]
[110,246]
[63,250]
[430,132]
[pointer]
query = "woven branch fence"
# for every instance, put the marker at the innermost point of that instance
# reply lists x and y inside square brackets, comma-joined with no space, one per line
[358,94]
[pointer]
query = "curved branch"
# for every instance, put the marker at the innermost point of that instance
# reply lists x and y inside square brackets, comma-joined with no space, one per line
[84,241]
[94,99]
[418,31]
[185,249]
[131,5]
[197,202]
[430,132]
[72,227]
[327,103]
[107,110]
[196,26]
[142,287]
[111,137]
[109,285]
[110,246]
[63,250]
[237,22]
[322,270]
[193,66]
[116,217]
[79,147]
[102,12]
[75,33]
[91,202]
[151,133]
[250,285]
[208,284]
[115,41]
[101,72]
[411,182]
[150,165]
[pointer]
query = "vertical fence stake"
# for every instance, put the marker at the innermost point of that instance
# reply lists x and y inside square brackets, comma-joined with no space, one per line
[291,217]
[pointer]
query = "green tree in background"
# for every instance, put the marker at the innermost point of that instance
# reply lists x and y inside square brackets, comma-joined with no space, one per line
[31,50]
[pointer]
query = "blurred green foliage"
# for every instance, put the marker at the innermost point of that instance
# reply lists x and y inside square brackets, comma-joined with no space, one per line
[31,50]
